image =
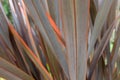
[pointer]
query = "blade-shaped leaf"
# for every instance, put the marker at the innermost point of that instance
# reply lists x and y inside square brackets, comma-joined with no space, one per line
[29,30]
[99,22]
[4,28]
[116,47]
[39,16]
[101,47]
[82,25]
[32,56]
[68,19]
[8,67]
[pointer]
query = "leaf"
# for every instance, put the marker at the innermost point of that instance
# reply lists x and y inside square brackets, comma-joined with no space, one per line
[68,19]
[96,2]
[31,55]
[82,26]
[10,70]
[4,28]
[8,75]
[29,30]
[4,53]
[54,8]
[116,47]
[39,16]
[56,30]
[101,47]
[19,56]
[93,11]
[74,33]
[99,22]
[100,70]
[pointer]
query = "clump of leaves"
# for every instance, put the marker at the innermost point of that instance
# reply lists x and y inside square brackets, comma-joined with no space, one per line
[6,8]
[60,40]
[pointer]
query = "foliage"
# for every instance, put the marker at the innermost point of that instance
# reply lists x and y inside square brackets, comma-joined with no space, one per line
[6,8]
[59,40]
